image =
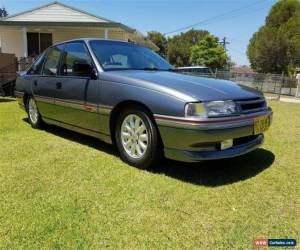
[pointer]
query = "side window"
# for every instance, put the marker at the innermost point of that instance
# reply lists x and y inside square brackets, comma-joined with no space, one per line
[76,60]
[36,67]
[52,61]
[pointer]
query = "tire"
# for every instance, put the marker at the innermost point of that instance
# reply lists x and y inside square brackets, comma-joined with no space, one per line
[34,117]
[146,134]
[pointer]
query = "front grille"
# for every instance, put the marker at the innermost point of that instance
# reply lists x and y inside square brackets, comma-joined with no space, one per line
[251,105]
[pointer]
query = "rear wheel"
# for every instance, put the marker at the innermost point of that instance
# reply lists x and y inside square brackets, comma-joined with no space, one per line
[34,116]
[137,138]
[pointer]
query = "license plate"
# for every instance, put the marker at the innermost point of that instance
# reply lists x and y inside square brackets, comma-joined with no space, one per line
[261,124]
[226,144]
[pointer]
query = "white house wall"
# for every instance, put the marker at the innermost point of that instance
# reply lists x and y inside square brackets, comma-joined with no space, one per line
[63,34]
[12,40]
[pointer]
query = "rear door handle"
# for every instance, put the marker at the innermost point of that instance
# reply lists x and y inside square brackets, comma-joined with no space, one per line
[58,85]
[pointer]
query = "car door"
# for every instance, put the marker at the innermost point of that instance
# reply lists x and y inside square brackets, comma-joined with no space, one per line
[44,78]
[76,91]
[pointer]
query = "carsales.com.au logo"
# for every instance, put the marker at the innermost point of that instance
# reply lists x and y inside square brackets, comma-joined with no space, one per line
[274,243]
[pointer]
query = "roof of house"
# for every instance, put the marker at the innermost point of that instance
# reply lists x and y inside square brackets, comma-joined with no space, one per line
[58,14]
[241,69]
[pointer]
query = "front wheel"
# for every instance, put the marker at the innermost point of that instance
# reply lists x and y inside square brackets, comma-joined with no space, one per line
[137,138]
[34,116]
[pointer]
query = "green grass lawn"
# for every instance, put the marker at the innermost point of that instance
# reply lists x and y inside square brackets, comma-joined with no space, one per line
[63,190]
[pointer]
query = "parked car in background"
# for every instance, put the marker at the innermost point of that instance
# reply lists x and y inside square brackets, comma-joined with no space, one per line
[201,70]
[128,95]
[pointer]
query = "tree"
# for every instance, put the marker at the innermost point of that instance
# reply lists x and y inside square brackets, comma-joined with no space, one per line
[267,51]
[160,41]
[179,46]
[274,48]
[3,12]
[209,52]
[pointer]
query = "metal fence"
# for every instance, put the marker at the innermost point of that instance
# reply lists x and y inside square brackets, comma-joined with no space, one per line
[267,83]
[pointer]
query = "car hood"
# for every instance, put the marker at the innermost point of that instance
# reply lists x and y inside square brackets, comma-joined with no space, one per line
[199,88]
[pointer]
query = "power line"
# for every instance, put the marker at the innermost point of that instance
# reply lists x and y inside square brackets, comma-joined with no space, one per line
[237,15]
[238,40]
[237,51]
[206,21]
[216,17]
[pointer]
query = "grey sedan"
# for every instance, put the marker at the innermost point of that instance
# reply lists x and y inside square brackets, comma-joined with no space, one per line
[127,95]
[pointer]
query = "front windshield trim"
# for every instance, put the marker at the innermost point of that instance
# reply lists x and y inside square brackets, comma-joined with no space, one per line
[160,60]
[149,69]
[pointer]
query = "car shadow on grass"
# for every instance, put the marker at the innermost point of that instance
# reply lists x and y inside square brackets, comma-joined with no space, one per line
[218,172]
[79,138]
[2,100]
[207,173]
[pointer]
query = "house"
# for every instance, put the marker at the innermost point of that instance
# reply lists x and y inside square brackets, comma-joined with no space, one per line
[241,69]
[28,33]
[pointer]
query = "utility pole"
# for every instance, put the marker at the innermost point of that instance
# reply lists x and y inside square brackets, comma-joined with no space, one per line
[224,43]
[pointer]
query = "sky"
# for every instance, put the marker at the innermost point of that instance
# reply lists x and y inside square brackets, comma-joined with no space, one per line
[236,20]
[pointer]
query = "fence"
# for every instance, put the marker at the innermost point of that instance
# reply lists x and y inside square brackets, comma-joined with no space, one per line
[24,62]
[9,66]
[8,63]
[267,83]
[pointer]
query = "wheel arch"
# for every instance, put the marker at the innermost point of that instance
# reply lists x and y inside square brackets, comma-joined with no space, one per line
[123,105]
[25,99]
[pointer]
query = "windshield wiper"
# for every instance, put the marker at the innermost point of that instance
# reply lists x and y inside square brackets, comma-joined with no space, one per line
[148,68]
[157,69]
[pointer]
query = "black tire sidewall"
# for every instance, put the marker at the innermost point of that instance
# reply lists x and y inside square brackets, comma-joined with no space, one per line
[152,154]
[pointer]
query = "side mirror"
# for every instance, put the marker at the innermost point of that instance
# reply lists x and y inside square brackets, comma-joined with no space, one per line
[85,69]
[94,74]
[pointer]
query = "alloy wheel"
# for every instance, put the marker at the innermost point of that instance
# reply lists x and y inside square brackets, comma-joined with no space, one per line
[33,111]
[134,136]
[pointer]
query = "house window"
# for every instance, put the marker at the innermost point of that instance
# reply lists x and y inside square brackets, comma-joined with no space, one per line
[38,42]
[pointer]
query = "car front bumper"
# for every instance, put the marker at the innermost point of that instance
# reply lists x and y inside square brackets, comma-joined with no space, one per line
[192,140]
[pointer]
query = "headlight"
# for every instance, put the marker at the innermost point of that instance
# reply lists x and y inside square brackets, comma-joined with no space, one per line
[211,109]
[220,108]
[195,109]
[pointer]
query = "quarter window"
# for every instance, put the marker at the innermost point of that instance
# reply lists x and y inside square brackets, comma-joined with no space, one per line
[52,61]
[76,60]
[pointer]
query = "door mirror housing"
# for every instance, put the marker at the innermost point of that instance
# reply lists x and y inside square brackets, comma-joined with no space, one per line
[94,74]
[85,69]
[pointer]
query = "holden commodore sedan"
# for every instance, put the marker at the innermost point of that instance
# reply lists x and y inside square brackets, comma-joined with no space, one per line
[127,95]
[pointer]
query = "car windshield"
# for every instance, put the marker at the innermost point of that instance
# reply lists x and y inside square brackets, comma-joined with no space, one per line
[114,55]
